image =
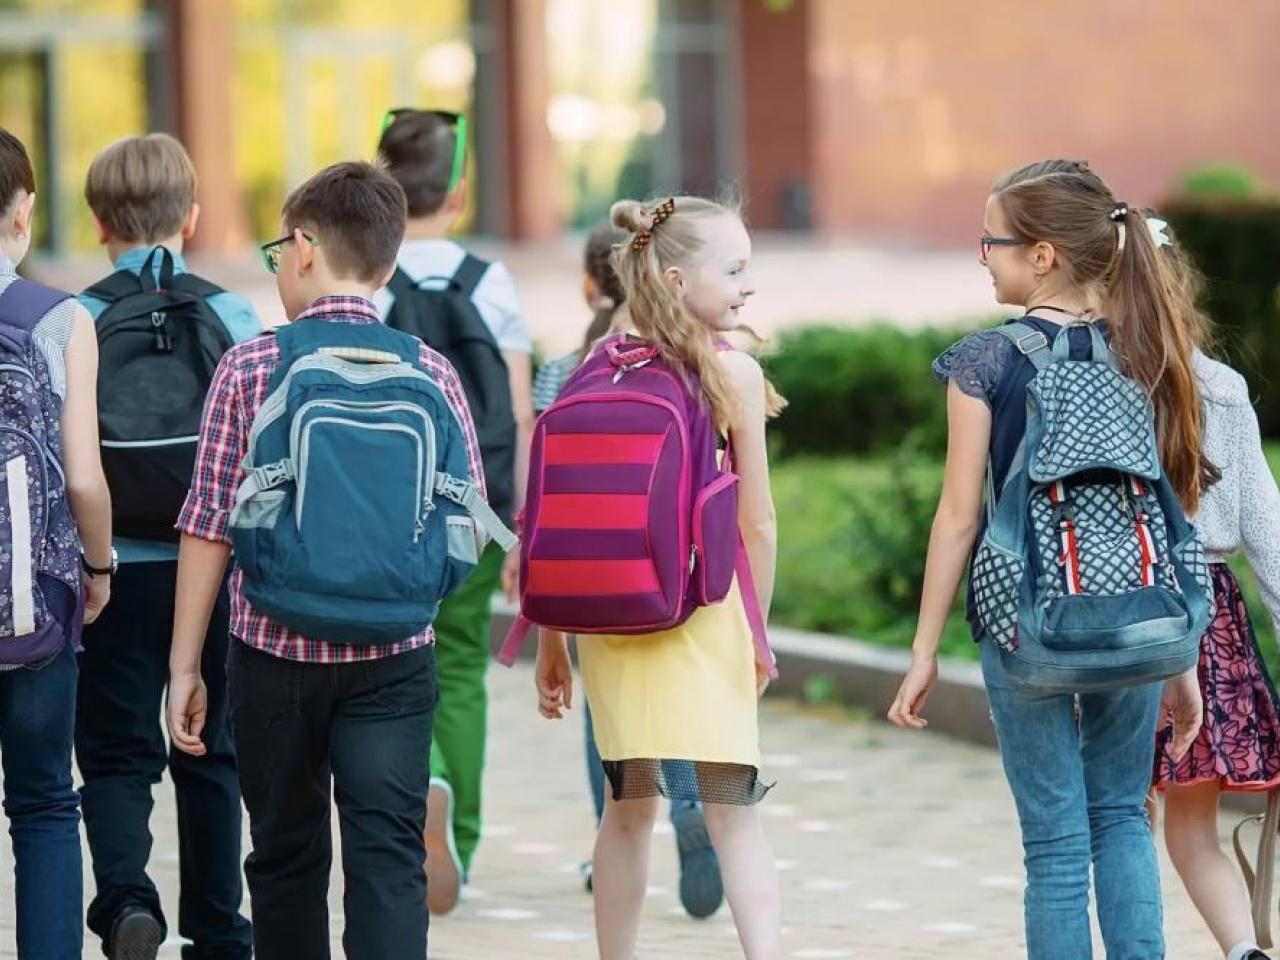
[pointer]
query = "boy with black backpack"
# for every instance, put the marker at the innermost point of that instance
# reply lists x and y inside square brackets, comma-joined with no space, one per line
[161,332]
[467,309]
[339,458]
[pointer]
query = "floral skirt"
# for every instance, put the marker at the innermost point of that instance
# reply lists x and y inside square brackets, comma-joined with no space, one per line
[1239,745]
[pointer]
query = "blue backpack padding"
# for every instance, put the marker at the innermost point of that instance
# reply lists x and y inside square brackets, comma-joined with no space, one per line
[1088,576]
[356,516]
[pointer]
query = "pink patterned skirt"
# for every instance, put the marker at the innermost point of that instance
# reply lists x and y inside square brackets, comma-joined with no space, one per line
[1239,744]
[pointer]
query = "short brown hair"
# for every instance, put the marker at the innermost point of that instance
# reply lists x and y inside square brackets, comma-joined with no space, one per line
[16,174]
[418,150]
[358,214]
[142,188]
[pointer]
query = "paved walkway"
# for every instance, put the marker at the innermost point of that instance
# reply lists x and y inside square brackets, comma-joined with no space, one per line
[892,845]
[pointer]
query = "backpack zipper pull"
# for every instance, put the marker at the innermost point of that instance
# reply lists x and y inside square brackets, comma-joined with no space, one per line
[160,333]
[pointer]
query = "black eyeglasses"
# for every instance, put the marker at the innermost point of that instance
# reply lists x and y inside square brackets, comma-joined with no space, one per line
[456,120]
[271,251]
[985,243]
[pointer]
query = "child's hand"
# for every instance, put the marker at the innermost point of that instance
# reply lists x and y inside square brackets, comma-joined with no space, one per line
[762,678]
[919,682]
[553,676]
[97,592]
[1182,707]
[188,707]
[511,574]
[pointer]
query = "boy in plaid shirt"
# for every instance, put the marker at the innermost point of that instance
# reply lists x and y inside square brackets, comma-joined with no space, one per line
[310,716]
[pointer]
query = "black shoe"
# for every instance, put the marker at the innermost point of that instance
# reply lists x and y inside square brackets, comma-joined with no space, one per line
[701,887]
[136,935]
[1255,955]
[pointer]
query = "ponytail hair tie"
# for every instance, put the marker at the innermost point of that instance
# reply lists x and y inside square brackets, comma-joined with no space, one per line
[661,213]
[1117,215]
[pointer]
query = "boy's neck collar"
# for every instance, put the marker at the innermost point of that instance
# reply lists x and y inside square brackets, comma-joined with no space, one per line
[434,227]
[116,249]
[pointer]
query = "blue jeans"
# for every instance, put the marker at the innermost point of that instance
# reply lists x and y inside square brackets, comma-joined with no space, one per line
[1079,790]
[595,772]
[37,715]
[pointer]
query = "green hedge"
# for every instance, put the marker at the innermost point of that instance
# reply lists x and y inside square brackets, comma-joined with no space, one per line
[1236,243]
[859,391]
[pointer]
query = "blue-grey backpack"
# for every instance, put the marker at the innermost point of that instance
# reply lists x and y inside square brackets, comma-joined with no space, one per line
[1089,576]
[356,515]
[40,598]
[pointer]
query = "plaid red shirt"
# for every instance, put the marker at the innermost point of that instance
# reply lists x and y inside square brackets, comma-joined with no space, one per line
[239,387]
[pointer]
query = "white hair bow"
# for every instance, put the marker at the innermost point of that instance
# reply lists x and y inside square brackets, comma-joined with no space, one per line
[1159,232]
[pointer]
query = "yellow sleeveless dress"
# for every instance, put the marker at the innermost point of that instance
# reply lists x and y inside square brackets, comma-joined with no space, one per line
[685,694]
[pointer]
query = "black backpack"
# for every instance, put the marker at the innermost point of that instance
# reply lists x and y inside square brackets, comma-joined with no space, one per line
[158,348]
[447,321]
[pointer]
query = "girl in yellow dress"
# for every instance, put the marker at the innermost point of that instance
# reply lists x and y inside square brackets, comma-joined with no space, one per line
[675,711]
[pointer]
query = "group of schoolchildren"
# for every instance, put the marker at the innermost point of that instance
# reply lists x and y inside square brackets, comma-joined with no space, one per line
[295,535]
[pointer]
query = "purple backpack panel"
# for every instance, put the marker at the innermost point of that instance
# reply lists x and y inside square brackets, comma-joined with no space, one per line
[39,546]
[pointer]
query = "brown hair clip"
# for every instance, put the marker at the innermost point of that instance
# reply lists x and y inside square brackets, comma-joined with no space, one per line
[661,213]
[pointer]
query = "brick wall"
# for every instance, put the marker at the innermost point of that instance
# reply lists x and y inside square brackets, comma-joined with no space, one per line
[917,106]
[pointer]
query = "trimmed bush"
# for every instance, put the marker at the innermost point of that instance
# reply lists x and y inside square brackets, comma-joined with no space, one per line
[859,391]
[1236,243]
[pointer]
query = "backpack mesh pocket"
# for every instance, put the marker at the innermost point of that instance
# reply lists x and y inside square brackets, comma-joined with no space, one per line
[997,578]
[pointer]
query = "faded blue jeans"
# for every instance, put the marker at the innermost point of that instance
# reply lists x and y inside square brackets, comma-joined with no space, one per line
[1079,790]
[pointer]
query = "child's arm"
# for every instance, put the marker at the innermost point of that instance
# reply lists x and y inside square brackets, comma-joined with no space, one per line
[756,516]
[553,674]
[955,525]
[203,554]
[87,491]
[201,565]
[1259,513]
[520,375]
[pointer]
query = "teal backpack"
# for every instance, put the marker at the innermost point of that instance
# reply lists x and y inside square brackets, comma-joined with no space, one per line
[356,516]
[1089,576]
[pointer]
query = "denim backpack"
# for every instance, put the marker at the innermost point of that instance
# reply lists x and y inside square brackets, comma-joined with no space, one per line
[355,516]
[39,544]
[1089,576]
[631,521]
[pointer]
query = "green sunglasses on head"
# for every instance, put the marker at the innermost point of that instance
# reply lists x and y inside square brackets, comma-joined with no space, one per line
[456,120]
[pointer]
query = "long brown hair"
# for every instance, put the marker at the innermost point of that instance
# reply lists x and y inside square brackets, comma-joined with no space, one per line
[597,261]
[657,310]
[1107,249]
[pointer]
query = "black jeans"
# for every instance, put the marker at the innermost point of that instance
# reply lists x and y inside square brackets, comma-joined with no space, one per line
[121,751]
[363,732]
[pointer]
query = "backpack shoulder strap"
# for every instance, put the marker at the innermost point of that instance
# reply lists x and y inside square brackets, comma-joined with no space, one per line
[195,285]
[117,286]
[469,274]
[1029,342]
[24,304]
[400,283]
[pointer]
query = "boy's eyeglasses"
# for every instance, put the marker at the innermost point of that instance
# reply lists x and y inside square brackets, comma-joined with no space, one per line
[456,120]
[271,251]
[985,243]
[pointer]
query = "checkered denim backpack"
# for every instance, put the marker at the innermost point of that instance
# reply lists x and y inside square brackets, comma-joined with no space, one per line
[1089,576]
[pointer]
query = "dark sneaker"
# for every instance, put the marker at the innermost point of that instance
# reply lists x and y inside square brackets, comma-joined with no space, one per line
[1255,955]
[136,935]
[444,867]
[585,872]
[701,888]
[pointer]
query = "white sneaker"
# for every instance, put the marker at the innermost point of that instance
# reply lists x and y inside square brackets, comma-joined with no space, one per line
[444,866]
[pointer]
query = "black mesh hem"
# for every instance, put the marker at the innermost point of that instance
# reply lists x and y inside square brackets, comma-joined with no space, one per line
[696,780]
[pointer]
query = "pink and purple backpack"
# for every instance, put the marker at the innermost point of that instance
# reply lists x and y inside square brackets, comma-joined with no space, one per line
[630,522]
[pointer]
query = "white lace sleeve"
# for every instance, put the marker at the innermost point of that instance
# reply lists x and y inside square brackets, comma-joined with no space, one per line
[1259,510]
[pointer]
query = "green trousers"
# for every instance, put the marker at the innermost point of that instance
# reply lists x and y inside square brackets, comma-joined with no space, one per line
[462,657]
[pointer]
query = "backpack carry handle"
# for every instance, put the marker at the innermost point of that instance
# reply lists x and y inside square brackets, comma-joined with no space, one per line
[1099,352]
[147,276]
